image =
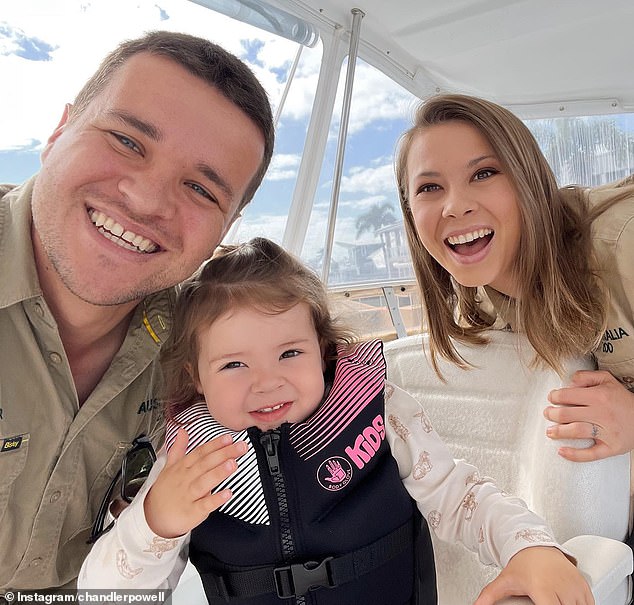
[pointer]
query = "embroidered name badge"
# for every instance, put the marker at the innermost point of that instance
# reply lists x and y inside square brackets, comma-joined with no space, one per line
[11,443]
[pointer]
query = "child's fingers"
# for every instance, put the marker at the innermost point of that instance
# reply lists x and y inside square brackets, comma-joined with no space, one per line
[210,480]
[178,449]
[214,458]
[222,446]
[496,590]
[212,502]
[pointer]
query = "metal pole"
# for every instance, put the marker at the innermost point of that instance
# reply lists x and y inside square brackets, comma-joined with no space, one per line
[357,15]
[289,81]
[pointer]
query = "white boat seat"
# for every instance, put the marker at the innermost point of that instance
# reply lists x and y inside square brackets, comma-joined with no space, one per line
[492,416]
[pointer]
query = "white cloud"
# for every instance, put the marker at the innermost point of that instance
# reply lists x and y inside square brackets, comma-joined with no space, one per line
[363,203]
[84,32]
[374,97]
[283,167]
[369,179]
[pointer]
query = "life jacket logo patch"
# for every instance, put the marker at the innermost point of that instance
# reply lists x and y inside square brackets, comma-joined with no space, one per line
[334,473]
[11,443]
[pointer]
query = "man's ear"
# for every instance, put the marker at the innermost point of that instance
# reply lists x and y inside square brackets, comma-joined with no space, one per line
[57,132]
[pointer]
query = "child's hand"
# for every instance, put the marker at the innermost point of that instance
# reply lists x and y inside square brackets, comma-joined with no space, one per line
[180,498]
[542,573]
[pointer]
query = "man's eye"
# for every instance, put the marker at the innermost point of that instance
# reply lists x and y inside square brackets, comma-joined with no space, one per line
[290,353]
[127,142]
[202,192]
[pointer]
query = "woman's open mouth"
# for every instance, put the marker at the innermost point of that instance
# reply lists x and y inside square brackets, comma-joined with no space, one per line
[468,244]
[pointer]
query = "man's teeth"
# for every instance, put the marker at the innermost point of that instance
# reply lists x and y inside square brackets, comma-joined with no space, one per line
[113,231]
[465,238]
[271,409]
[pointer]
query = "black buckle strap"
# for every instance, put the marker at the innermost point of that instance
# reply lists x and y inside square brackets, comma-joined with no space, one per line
[297,579]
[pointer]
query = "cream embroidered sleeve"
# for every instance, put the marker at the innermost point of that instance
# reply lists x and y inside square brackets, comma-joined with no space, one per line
[459,504]
[131,555]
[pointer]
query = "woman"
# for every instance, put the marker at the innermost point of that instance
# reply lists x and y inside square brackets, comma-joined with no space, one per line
[493,240]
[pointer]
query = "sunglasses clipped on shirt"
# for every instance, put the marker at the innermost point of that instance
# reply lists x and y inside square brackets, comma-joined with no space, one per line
[134,470]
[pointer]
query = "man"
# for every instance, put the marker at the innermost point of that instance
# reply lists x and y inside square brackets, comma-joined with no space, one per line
[140,181]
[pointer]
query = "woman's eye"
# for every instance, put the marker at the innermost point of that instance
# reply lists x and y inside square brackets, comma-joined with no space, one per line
[127,142]
[485,173]
[291,353]
[428,188]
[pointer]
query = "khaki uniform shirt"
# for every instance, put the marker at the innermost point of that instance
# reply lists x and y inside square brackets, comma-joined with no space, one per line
[56,458]
[613,236]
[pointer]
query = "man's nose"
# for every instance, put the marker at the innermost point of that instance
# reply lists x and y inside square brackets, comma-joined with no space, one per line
[150,192]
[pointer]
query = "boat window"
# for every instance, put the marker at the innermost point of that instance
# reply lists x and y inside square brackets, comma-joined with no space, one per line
[295,83]
[587,150]
[369,243]
[49,49]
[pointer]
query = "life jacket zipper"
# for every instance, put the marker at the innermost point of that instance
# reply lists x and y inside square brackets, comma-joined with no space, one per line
[270,442]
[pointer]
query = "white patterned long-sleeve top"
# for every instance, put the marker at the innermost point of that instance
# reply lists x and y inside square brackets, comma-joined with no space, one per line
[459,505]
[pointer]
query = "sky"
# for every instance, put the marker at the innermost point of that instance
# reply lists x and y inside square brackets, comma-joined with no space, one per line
[49,48]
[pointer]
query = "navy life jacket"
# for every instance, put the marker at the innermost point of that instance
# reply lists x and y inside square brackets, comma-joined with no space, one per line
[319,514]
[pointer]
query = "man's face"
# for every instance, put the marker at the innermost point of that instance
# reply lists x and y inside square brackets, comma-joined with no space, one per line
[136,192]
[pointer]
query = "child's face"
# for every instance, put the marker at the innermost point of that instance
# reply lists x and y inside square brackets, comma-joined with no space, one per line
[261,370]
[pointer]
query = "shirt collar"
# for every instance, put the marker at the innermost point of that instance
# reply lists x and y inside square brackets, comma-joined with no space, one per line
[17,263]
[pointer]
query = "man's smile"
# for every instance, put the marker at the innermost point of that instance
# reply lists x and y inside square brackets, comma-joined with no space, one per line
[113,231]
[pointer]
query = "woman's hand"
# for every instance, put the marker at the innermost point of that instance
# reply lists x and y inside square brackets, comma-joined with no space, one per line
[595,406]
[542,573]
[181,497]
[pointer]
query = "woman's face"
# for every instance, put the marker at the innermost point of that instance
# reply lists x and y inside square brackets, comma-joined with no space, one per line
[464,206]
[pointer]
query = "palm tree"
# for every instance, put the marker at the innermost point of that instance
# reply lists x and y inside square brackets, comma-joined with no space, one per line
[378,215]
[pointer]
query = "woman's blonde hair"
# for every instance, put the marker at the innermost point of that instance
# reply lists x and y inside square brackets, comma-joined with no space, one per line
[561,301]
[258,274]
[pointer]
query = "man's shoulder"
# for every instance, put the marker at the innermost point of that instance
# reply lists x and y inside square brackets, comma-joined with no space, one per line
[5,188]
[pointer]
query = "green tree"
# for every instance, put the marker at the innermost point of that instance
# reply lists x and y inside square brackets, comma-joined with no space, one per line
[378,215]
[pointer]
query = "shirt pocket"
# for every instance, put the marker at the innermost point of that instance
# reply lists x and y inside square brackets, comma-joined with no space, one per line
[96,492]
[13,454]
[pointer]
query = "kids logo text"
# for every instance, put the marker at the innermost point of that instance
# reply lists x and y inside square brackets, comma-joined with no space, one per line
[335,472]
